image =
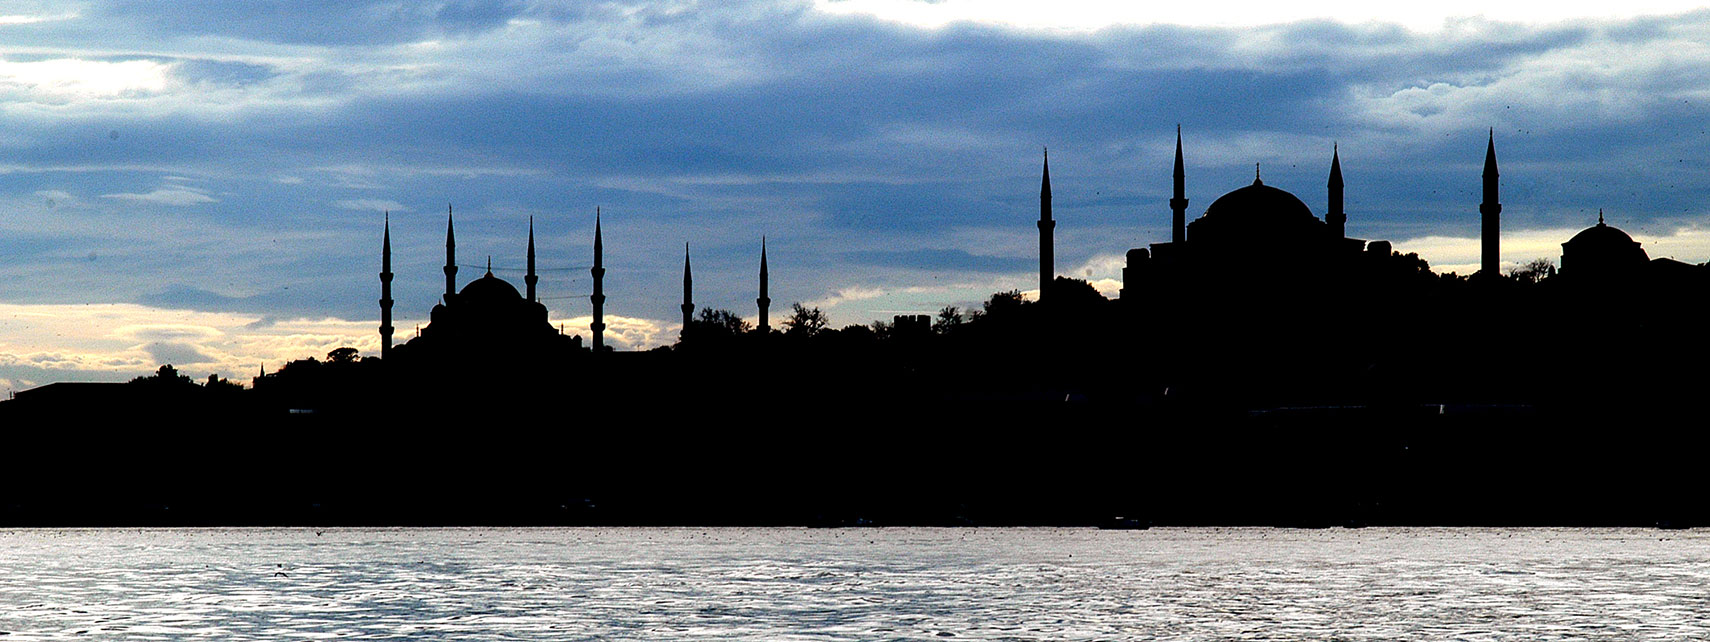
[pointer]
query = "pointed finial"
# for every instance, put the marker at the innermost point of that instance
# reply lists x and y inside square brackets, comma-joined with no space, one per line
[1599,216]
[489,265]
[1256,180]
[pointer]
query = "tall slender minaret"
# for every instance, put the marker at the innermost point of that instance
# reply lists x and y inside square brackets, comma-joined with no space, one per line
[688,291]
[531,279]
[1178,202]
[1047,263]
[386,290]
[765,302]
[1490,234]
[1337,219]
[450,258]
[599,297]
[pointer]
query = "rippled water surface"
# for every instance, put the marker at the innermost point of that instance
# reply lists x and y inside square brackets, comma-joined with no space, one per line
[855,584]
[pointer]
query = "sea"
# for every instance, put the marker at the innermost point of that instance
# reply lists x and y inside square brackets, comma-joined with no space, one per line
[854,584]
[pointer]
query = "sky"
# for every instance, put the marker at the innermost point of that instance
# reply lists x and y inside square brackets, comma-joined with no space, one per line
[203,182]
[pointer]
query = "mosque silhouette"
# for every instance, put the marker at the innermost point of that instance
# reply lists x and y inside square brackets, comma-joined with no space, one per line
[1259,367]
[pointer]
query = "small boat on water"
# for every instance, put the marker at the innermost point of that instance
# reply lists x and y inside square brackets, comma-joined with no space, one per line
[1673,524]
[1120,523]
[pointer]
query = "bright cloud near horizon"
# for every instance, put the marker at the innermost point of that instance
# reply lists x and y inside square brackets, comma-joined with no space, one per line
[202,182]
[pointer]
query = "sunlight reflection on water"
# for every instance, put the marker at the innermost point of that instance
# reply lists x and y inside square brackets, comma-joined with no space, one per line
[855,584]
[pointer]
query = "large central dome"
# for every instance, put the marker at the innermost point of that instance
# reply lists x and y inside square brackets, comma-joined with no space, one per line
[1260,203]
[489,289]
[1257,218]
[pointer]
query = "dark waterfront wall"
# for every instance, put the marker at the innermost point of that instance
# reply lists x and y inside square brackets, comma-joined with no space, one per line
[607,455]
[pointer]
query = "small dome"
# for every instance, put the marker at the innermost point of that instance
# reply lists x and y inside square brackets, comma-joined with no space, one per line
[487,289]
[1601,235]
[1601,250]
[1261,200]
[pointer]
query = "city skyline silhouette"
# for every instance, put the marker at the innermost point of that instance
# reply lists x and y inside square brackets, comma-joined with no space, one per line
[169,205]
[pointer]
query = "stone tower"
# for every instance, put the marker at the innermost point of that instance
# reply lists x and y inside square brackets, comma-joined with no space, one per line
[764,301]
[1337,219]
[599,297]
[1490,235]
[386,290]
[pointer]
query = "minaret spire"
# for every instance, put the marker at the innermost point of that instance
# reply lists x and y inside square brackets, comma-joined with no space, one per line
[688,291]
[1178,202]
[385,290]
[450,258]
[765,302]
[1337,218]
[1491,209]
[531,279]
[599,297]
[1047,262]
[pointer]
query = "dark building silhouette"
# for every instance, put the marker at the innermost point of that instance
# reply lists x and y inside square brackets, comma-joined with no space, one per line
[1254,236]
[488,324]
[1602,251]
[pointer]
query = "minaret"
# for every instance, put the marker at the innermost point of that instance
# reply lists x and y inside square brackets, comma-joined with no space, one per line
[765,302]
[531,279]
[450,258]
[386,290]
[1047,263]
[1178,203]
[1490,234]
[599,297]
[1337,219]
[688,291]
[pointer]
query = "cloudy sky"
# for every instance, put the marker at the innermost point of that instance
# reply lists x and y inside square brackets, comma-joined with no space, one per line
[202,182]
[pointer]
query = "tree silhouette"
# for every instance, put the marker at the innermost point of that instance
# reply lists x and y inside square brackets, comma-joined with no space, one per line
[715,322]
[1074,293]
[948,320]
[804,321]
[1534,271]
[165,376]
[342,356]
